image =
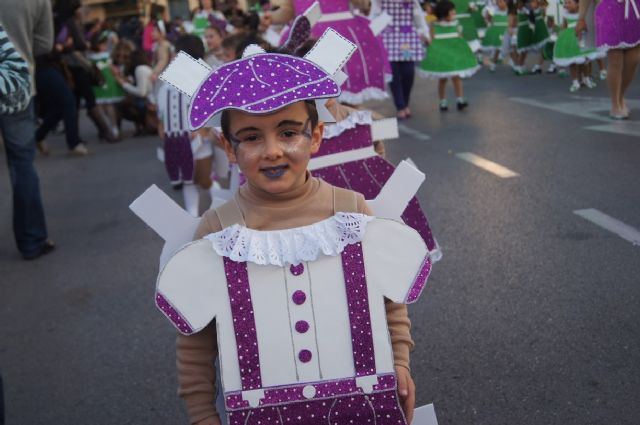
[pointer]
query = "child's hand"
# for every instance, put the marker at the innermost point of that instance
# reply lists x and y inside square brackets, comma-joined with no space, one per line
[407,391]
[211,420]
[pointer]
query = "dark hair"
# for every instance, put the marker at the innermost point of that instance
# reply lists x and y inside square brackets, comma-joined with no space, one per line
[225,120]
[191,45]
[138,57]
[443,8]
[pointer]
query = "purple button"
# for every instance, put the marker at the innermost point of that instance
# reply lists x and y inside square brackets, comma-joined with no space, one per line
[302,326]
[299,297]
[297,270]
[304,356]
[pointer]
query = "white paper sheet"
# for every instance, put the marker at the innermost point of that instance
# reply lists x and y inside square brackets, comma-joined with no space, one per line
[166,218]
[425,415]
[397,192]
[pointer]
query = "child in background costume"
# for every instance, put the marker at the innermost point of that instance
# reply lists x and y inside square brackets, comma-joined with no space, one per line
[449,56]
[464,10]
[187,155]
[368,69]
[404,41]
[567,51]
[293,349]
[110,92]
[495,33]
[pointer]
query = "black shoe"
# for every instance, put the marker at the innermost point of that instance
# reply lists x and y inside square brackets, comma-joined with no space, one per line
[461,104]
[444,106]
[48,247]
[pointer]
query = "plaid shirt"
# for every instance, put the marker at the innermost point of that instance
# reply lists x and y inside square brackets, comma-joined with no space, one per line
[15,90]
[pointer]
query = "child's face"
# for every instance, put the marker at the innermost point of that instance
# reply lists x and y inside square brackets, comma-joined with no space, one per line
[571,6]
[502,4]
[213,39]
[451,16]
[273,150]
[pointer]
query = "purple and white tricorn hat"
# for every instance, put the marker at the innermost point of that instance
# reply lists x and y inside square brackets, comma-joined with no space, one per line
[260,82]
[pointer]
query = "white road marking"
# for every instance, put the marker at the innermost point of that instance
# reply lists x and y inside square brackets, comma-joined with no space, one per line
[487,165]
[593,108]
[609,223]
[413,132]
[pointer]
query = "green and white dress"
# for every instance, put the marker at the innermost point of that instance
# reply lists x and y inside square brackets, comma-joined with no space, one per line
[478,16]
[567,50]
[449,55]
[525,31]
[110,91]
[540,31]
[494,35]
[469,30]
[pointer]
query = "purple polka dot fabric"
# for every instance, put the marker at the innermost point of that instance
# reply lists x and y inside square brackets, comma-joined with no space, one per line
[381,408]
[368,176]
[260,83]
[367,66]
[172,314]
[178,158]
[359,314]
[244,324]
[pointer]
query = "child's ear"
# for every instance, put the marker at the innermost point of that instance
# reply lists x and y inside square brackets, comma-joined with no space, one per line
[228,149]
[316,137]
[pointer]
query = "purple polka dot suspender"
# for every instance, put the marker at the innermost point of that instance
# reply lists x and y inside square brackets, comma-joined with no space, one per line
[244,323]
[245,327]
[359,316]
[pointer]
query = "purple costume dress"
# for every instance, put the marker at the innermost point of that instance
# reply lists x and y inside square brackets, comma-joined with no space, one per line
[400,37]
[301,342]
[368,69]
[367,175]
[617,24]
[173,108]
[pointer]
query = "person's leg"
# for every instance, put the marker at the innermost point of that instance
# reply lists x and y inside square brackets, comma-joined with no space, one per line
[396,87]
[29,227]
[615,59]
[442,88]
[442,94]
[408,77]
[202,173]
[65,104]
[457,87]
[630,64]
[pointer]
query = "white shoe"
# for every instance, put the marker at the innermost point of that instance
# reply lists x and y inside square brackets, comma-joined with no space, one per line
[575,86]
[588,81]
[603,74]
[492,67]
[80,150]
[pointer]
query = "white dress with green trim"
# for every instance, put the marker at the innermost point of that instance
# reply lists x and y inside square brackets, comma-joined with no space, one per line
[110,91]
[567,50]
[494,35]
[449,54]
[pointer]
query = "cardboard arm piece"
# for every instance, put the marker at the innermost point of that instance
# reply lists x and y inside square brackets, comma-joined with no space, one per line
[396,194]
[166,218]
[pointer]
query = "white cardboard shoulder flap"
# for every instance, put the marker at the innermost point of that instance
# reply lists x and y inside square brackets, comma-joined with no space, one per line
[425,415]
[185,73]
[331,51]
[385,129]
[252,49]
[313,13]
[397,192]
[166,218]
[379,23]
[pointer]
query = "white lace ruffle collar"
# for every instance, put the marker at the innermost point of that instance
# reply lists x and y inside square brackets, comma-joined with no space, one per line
[290,246]
[353,119]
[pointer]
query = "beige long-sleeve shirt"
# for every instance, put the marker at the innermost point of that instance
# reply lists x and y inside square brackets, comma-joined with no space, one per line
[308,204]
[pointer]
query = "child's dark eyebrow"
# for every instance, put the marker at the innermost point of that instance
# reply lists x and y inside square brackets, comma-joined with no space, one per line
[284,123]
[247,129]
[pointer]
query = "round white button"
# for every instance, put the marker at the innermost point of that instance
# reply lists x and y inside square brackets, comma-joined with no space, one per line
[309,391]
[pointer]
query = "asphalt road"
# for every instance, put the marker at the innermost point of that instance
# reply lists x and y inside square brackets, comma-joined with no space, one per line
[531,318]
